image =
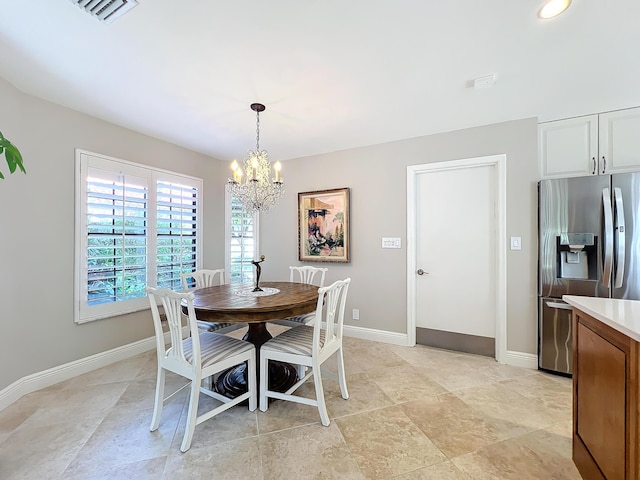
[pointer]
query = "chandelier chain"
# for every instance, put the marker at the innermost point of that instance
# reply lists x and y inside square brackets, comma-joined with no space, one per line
[257,132]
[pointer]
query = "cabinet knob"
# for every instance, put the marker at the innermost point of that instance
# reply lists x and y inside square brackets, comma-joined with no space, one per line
[604,164]
[594,165]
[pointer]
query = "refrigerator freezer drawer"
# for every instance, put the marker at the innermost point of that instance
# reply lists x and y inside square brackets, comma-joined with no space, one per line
[556,336]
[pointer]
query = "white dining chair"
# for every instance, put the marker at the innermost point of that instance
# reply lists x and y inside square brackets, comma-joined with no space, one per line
[304,274]
[310,346]
[208,278]
[195,356]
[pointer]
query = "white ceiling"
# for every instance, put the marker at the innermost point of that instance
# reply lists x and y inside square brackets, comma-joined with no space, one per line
[334,74]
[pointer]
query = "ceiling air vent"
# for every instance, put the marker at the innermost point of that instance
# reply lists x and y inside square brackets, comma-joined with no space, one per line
[106,10]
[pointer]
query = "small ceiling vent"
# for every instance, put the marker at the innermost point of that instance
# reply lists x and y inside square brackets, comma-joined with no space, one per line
[106,10]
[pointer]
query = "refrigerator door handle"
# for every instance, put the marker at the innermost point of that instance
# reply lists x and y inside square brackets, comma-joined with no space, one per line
[608,237]
[620,237]
[560,305]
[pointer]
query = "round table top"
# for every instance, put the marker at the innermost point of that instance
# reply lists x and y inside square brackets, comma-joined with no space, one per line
[223,303]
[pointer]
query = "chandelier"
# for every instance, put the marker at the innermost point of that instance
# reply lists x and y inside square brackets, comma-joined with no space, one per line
[254,187]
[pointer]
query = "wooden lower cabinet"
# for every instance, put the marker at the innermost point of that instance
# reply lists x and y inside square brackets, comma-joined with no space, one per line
[605,401]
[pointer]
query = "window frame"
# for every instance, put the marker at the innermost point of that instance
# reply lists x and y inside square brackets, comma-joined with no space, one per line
[85,160]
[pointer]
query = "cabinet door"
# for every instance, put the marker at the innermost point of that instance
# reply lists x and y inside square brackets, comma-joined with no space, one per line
[601,401]
[568,148]
[619,136]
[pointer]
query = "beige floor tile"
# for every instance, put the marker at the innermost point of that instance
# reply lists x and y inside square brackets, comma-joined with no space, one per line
[372,356]
[308,452]
[124,438]
[282,415]
[121,371]
[140,392]
[364,395]
[237,460]
[499,401]
[439,471]
[405,383]
[554,451]
[43,451]
[233,424]
[151,469]
[454,427]
[386,443]
[508,460]
[88,402]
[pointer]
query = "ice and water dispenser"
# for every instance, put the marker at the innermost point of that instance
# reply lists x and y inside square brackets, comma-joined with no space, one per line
[577,256]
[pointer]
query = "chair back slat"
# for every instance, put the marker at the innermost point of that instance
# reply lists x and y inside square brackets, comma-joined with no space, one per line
[306,274]
[172,303]
[330,309]
[203,278]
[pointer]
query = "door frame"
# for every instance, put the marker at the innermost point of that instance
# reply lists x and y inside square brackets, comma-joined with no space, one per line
[500,163]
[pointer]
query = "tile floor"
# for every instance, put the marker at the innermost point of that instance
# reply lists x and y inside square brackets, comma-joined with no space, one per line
[414,413]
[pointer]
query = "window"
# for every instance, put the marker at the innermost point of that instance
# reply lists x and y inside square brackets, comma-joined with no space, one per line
[242,241]
[135,225]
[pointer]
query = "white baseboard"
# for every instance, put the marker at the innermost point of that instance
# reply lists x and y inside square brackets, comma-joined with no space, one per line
[54,375]
[376,335]
[520,359]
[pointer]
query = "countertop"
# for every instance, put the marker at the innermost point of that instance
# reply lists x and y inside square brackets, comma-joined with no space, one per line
[622,315]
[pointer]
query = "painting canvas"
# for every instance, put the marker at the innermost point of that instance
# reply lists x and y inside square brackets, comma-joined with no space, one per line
[323,226]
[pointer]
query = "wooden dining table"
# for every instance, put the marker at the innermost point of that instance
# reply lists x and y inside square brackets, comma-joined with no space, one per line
[236,303]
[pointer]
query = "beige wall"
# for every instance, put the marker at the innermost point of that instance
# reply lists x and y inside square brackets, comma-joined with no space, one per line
[37,231]
[377,178]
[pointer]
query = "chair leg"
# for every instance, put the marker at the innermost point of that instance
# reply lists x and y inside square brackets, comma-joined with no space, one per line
[341,375]
[322,407]
[207,382]
[264,381]
[192,414]
[159,400]
[251,382]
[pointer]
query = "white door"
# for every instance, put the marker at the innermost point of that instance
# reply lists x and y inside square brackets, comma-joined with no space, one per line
[456,212]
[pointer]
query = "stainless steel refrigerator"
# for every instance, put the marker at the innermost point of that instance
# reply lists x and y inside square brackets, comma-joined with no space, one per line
[589,245]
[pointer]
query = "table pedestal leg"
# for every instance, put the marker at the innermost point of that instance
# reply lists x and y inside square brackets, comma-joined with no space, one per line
[233,382]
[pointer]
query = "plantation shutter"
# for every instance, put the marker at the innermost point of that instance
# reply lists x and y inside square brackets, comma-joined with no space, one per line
[242,243]
[177,232]
[116,212]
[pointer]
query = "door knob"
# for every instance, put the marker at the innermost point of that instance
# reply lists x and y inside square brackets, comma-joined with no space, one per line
[421,272]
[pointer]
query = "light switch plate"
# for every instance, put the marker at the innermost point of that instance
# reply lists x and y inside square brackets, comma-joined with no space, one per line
[516,243]
[389,242]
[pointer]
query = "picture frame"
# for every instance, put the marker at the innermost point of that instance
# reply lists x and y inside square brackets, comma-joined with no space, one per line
[324,226]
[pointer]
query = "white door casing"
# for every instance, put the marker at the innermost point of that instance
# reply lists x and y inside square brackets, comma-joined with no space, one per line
[493,170]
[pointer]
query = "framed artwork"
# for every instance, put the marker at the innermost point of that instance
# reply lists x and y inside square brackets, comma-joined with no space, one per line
[323,226]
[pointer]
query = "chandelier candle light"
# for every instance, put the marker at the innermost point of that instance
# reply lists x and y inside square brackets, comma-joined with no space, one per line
[257,192]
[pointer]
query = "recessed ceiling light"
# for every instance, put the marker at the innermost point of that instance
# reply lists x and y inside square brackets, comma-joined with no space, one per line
[552,8]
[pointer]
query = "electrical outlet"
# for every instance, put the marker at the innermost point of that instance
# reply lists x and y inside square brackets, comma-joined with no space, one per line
[356,314]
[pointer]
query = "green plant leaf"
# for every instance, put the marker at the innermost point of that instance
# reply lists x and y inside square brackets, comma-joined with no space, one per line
[14,158]
[12,154]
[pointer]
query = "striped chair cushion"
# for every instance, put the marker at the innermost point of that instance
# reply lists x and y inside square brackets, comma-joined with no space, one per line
[305,319]
[211,326]
[298,340]
[215,347]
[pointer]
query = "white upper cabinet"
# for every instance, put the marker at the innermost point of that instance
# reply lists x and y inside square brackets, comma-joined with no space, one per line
[619,148]
[568,148]
[590,145]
